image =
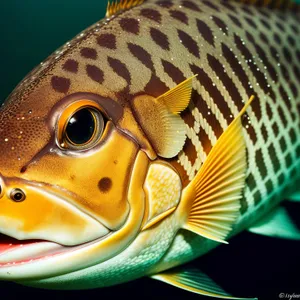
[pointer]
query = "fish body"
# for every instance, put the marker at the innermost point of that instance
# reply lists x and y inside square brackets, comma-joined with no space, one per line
[109,200]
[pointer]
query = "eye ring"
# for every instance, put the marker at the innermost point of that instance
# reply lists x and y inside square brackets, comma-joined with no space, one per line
[80,127]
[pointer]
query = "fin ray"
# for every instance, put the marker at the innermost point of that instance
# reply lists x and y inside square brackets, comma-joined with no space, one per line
[217,188]
[195,281]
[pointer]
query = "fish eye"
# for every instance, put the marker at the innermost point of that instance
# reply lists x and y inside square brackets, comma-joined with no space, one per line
[82,129]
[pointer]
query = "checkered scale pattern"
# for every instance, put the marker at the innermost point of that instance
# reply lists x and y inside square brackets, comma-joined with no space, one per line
[237,50]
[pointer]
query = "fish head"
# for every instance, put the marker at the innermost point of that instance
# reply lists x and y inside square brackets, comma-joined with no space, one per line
[78,170]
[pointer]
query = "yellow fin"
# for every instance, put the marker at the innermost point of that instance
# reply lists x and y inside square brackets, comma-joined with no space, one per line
[178,98]
[213,197]
[165,130]
[193,280]
[115,6]
[160,121]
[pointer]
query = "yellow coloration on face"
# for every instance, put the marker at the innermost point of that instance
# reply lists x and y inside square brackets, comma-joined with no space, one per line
[44,215]
[97,180]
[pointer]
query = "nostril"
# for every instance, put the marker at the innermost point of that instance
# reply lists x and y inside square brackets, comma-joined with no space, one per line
[17,195]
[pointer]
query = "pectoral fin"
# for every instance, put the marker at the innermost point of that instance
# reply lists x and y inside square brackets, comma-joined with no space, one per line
[160,120]
[178,98]
[295,197]
[213,197]
[277,224]
[194,281]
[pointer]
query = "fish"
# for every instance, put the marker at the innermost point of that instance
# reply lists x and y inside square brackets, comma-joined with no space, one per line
[140,146]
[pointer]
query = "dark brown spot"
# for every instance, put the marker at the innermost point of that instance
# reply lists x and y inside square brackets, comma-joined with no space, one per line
[205,32]
[288,160]
[265,23]
[220,24]
[284,96]
[282,116]
[160,38]
[228,5]
[266,61]
[258,74]
[293,135]
[207,83]
[291,41]
[71,65]
[142,55]
[295,29]
[189,43]
[280,26]
[260,162]
[119,68]
[179,15]
[210,4]
[250,22]
[282,144]
[190,150]
[206,112]
[155,87]
[107,40]
[151,14]
[174,72]
[237,68]
[269,186]
[264,133]
[244,206]
[275,129]
[251,182]
[281,179]
[130,25]
[277,38]
[105,184]
[287,54]
[95,73]
[235,20]
[257,197]
[60,84]
[190,5]
[165,3]
[226,80]
[88,53]
[274,158]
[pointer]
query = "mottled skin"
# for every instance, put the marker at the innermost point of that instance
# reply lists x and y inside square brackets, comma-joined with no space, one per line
[237,50]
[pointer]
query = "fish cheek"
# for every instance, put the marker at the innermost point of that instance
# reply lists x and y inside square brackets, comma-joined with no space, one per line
[97,180]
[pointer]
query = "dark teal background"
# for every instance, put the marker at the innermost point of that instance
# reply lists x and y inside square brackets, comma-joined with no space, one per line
[30,30]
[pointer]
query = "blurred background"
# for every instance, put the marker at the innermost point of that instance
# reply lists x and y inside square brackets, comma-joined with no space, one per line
[250,265]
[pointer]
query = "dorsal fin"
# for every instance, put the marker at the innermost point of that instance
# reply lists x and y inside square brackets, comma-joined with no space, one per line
[115,6]
[277,4]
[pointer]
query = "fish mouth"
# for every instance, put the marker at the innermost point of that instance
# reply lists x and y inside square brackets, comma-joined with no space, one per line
[14,252]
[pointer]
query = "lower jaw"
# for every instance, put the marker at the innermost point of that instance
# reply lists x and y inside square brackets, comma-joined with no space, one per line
[14,253]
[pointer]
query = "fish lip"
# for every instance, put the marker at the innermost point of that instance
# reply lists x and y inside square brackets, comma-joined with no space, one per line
[57,250]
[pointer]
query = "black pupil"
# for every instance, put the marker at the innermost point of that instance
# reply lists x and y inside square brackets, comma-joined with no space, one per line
[18,196]
[81,127]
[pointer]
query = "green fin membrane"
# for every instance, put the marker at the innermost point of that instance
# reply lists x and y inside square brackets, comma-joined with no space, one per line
[295,197]
[277,224]
[195,281]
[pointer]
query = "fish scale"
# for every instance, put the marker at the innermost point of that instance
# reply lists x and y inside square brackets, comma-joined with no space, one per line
[236,50]
[254,54]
